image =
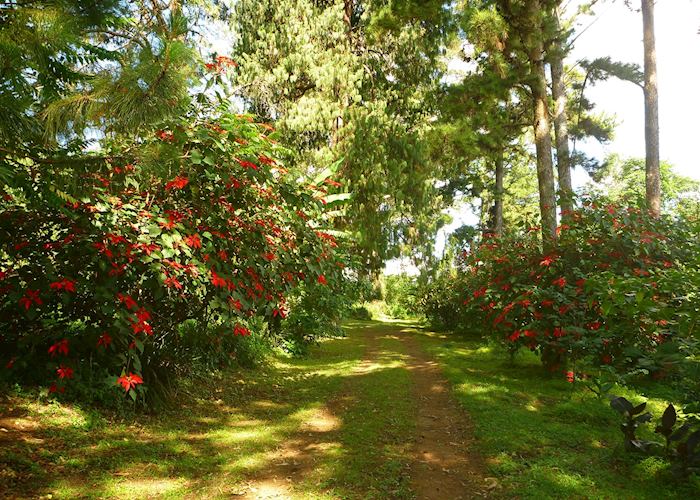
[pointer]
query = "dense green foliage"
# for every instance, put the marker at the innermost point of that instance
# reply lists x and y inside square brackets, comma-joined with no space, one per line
[167,210]
[343,84]
[200,224]
[619,292]
[401,296]
[180,233]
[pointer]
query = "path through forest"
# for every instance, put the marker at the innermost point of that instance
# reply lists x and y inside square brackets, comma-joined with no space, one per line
[363,416]
[440,460]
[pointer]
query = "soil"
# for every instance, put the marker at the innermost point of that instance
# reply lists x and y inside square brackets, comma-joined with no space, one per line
[439,455]
[443,462]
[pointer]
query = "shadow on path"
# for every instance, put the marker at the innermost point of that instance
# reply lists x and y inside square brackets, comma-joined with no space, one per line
[368,416]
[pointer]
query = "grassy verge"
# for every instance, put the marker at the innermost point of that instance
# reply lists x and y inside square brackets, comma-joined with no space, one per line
[226,427]
[543,439]
[379,416]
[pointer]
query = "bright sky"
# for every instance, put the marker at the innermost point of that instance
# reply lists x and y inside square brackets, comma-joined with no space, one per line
[617,32]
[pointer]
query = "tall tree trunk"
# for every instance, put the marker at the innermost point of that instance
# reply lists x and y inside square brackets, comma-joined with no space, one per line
[561,128]
[651,112]
[541,125]
[498,202]
[484,216]
[338,120]
[347,15]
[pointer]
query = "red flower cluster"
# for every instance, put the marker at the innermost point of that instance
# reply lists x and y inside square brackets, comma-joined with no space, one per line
[193,241]
[240,330]
[104,341]
[30,297]
[220,64]
[601,291]
[129,381]
[60,347]
[177,183]
[222,238]
[64,284]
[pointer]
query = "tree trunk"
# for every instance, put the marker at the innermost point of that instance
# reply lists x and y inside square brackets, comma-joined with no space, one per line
[651,112]
[338,120]
[347,15]
[561,129]
[498,201]
[541,125]
[484,215]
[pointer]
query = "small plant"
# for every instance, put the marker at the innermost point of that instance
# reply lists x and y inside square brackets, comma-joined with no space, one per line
[686,456]
[666,427]
[602,383]
[633,418]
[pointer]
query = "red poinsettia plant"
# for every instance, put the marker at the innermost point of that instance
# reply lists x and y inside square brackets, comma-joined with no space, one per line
[617,290]
[198,221]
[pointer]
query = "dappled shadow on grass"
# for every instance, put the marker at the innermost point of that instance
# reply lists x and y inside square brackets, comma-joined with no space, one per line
[229,429]
[542,437]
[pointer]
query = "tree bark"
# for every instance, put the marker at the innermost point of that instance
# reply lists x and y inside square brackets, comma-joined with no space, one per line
[498,200]
[651,112]
[347,14]
[542,128]
[561,128]
[338,120]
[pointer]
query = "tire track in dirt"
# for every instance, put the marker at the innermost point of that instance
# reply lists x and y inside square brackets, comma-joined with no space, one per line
[445,465]
[298,456]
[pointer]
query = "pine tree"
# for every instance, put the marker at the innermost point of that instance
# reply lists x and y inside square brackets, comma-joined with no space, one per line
[651,112]
[556,54]
[340,80]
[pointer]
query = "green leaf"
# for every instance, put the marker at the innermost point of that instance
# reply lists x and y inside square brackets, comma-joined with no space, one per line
[638,409]
[196,156]
[327,172]
[333,198]
[621,405]
[668,419]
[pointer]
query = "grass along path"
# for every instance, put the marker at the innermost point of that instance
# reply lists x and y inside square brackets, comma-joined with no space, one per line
[366,416]
[361,417]
[543,438]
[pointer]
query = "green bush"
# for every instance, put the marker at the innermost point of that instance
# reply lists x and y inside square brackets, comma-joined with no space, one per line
[440,305]
[401,296]
[620,289]
[198,225]
[360,312]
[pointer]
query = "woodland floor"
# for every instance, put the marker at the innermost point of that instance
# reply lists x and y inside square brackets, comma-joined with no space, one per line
[364,416]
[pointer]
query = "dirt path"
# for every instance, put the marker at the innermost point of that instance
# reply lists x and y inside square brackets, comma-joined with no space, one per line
[442,463]
[298,456]
[445,464]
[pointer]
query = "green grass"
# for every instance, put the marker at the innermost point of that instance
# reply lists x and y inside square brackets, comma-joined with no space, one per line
[540,437]
[379,421]
[225,427]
